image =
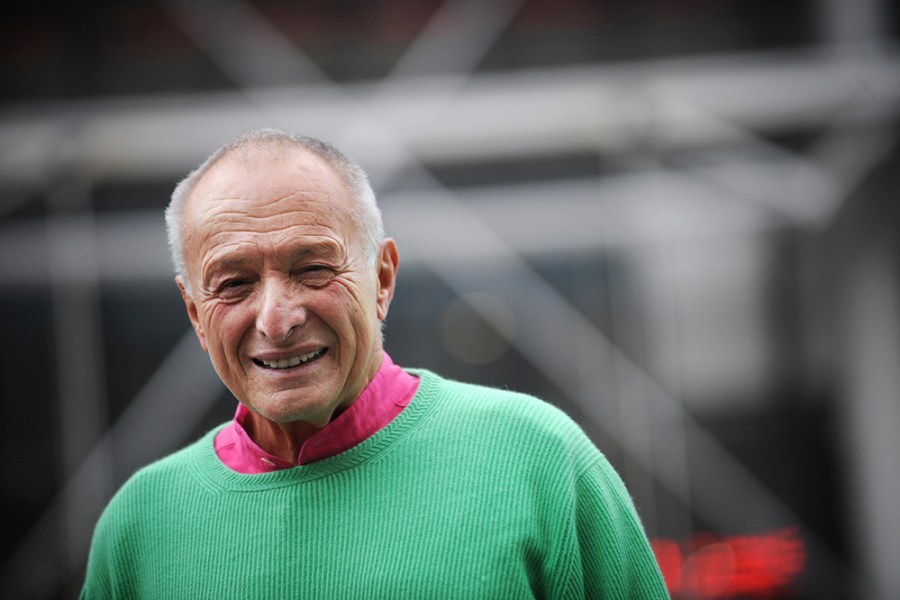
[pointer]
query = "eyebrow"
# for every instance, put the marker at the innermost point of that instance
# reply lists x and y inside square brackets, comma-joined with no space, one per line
[236,260]
[315,248]
[231,261]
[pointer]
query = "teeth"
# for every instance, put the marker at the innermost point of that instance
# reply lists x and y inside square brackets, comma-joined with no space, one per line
[286,363]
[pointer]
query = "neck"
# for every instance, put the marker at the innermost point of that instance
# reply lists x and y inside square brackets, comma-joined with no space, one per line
[284,440]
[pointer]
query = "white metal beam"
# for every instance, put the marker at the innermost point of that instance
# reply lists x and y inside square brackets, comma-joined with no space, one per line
[604,109]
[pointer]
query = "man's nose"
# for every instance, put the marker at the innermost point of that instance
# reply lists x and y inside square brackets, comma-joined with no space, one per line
[280,311]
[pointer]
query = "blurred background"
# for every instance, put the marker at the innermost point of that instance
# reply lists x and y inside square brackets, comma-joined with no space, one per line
[675,219]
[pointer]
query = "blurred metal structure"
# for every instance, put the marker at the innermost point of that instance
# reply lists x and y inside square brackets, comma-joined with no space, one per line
[697,171]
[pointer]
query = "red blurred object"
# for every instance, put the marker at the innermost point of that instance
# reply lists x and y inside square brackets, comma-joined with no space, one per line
[708,567]
[670,558]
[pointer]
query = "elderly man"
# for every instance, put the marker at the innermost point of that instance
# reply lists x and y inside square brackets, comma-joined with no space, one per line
[343,475]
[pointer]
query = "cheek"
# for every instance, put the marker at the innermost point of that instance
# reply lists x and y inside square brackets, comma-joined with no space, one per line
[224,324]
[343,310]
[352,303]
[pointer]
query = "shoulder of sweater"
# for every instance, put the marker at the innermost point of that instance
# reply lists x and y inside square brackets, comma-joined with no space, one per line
[496,410]
[502,403]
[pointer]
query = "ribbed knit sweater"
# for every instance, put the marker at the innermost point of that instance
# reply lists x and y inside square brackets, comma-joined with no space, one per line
[469,493]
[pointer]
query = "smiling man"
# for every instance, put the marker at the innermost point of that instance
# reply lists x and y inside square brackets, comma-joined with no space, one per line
[286,283]
[343,475]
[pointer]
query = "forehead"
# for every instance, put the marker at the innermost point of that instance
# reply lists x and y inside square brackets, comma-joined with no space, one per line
[267,197]
[266,184]
[260,176]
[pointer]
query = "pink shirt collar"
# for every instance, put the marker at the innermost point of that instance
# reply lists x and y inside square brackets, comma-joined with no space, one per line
[389,392]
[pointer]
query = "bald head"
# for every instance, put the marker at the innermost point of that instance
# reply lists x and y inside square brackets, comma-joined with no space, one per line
[276,144]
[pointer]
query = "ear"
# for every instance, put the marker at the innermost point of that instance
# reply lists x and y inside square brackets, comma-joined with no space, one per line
[192,313]
[386,272]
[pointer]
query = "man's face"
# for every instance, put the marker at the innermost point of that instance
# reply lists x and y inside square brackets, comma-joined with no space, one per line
[284,300]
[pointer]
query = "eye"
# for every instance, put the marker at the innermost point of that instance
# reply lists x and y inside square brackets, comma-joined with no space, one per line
[233,288]
[315,275]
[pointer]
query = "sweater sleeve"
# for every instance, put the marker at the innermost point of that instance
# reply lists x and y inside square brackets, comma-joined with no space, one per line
[98,583]
[610,557]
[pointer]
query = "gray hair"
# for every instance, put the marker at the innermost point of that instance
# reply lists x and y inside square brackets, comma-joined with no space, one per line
[365,211]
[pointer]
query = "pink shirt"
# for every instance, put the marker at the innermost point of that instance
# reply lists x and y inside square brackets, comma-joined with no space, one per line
[389,392]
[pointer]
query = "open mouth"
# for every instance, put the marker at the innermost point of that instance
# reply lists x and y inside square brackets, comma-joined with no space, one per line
[291,362]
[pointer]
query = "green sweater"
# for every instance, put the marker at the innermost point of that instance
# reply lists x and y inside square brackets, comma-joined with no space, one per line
[469,493]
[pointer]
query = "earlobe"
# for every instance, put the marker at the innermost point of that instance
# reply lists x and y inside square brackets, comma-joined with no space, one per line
[388,263]
[191,307]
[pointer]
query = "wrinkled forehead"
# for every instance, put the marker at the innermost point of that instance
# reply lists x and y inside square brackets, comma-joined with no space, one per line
[263,180]
[292,189]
